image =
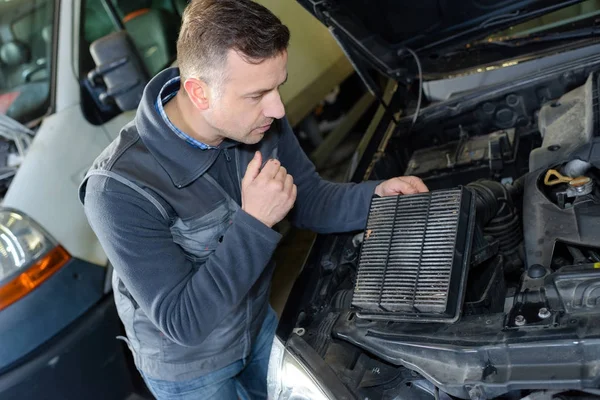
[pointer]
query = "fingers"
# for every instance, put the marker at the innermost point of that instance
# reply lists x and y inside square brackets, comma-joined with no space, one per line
[253,168]
[281,174]
[417,183]
[288,184]
[270,169]
[294,194]
[405,187]
[401,185]
[410,185]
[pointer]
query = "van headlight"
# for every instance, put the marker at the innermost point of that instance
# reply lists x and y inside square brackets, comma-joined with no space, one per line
[289,379]
[28,256]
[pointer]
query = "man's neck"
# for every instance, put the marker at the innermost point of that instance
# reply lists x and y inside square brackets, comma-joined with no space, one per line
[182,113]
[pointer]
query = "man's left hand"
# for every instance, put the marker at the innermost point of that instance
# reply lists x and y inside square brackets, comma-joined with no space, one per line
[401,185]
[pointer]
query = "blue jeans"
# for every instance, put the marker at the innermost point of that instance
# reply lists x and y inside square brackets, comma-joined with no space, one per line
[245,379]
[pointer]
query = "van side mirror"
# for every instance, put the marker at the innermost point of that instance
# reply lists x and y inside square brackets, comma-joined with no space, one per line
[119,77]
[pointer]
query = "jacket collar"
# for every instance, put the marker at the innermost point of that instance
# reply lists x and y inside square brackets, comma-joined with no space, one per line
[182,162]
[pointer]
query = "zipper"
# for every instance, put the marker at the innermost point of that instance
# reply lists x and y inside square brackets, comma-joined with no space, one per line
[236,154]
[237,165]
[227,157]
[234,173]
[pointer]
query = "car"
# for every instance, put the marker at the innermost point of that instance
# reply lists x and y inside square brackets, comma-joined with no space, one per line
[487,286]
[58,321]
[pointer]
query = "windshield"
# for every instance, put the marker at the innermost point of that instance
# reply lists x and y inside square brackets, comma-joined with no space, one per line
[26,28]
[584,14]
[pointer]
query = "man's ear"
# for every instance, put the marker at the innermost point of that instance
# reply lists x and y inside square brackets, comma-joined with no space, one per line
[198,92]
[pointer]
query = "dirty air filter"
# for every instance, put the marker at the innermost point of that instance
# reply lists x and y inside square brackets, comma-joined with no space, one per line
[414,259]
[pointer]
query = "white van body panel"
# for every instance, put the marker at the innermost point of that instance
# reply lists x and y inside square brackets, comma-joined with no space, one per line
[45,188]
[66,144]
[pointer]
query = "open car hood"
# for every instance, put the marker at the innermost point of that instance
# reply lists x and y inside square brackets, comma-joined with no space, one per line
[440,32]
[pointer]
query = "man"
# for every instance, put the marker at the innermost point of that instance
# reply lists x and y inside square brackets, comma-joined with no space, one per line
[184,202]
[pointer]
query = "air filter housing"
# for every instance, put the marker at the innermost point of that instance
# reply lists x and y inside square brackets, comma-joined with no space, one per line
[414,260]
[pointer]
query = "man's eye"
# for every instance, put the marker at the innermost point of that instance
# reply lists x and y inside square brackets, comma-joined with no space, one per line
[257,97]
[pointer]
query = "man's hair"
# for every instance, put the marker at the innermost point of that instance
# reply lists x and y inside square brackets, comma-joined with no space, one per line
[210,28]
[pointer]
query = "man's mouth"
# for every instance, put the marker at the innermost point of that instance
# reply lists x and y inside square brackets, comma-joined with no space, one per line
[264,128]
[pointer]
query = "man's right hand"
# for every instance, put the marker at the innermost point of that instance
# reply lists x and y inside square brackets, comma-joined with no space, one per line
[267,194]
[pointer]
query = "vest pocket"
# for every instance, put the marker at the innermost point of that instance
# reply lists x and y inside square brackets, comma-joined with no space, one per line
[142,336]
[199,237]
[148,336]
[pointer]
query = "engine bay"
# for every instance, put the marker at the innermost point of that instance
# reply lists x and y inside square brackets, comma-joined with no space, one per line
[496,292]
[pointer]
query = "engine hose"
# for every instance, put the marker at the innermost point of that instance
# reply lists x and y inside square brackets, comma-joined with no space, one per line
[498,216]
[506,230]
[488,196]
[517,188]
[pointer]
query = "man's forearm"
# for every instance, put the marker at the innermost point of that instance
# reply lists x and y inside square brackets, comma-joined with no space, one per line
[334,207]
[320,205]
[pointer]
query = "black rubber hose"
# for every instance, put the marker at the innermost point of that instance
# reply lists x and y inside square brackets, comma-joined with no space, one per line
[488,199]
[498,216]
[516,189]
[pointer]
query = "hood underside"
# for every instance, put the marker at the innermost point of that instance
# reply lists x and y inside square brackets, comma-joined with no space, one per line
[379,31]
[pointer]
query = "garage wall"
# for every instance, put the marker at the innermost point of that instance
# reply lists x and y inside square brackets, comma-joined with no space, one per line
[316,64]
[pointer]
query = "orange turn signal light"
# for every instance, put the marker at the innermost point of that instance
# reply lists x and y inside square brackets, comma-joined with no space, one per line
[33,277]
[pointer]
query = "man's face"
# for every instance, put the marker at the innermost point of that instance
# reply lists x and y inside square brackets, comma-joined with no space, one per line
[249,98]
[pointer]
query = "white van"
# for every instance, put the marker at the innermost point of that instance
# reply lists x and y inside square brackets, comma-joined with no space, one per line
[58,338]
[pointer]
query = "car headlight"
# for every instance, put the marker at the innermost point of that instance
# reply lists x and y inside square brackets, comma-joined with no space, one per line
[289,379]
[28,256]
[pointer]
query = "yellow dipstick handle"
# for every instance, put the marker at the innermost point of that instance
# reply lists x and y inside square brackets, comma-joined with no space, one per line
[552,173]
[574,182]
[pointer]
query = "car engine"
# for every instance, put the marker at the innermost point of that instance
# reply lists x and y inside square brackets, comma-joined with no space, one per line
[487,286]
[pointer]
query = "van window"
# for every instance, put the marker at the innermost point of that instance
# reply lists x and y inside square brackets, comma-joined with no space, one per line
[26,29]
[152,25]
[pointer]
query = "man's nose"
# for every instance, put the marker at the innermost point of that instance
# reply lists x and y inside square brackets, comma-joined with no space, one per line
[274,106]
